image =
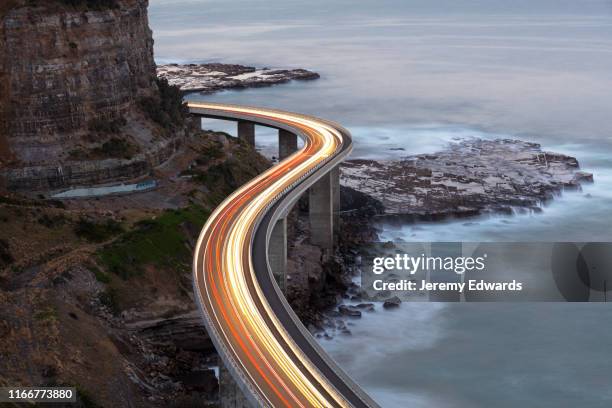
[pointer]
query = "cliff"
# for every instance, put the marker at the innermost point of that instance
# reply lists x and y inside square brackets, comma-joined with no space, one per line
[76,82]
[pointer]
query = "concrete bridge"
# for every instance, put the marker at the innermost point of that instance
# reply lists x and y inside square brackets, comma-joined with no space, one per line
[323,197]
[240,264]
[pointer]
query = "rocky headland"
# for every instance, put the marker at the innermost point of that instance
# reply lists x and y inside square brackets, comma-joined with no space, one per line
[468,178]
[213,77]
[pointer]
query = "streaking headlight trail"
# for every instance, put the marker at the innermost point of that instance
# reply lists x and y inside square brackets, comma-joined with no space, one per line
[275,360]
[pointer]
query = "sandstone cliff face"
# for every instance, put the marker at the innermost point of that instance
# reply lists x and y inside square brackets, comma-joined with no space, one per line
[64,68]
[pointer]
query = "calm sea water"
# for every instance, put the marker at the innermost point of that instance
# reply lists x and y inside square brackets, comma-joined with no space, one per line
[417,74]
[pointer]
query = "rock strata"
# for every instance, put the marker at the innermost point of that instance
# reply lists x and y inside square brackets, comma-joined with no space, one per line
[470,177]
[62,68]
[209,78]
[348,310]
[185,332]
[95,172]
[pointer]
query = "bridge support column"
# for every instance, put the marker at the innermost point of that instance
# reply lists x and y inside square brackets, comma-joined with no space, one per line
[321,207]
[335,183]
[287,144]
[246,131]
[277,253]
[230,394]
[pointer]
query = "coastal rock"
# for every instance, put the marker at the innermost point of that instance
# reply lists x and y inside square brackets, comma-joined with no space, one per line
[354,203]
[350,311]
[367,307]
[213,77]
[470,177]
[185,332]
[392,303]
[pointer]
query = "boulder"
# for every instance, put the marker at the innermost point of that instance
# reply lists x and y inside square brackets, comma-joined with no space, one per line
[350,311]
[392,303]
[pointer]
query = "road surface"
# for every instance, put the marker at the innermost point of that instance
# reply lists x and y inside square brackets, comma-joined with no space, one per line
[274,359]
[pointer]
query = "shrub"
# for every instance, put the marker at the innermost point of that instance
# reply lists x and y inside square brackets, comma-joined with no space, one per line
[168,108]
[103,125]
[85,399]
[48,314]
[108,298]
[51,221]
[97,232]
[116,147]
[213,151]
[158,241]
[100,275]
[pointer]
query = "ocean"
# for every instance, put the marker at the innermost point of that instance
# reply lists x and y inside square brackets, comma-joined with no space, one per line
[418,74]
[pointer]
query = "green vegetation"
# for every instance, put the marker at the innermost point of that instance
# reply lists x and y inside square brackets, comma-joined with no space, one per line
[158,241]
[23,202]
[113,148]
[97,232]
[212,151]
[77,154]
[100,275]
[46,315]
[168,109]
[103,125]
[52,221]
[223,178]
[84,399]
[108,298]
[116,147]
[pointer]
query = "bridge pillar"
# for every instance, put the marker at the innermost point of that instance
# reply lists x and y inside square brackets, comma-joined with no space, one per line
[287,144]
[335,183]
[230,394]
[321,208]
[277,253]
[246,131]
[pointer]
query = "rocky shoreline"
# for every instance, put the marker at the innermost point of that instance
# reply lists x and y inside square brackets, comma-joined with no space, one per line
[468,178]
[214,77]
[315,289]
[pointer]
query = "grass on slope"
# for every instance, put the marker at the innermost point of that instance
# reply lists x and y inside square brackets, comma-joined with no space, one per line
[159,241]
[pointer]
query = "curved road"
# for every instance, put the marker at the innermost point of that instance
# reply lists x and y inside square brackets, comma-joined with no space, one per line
[274,358]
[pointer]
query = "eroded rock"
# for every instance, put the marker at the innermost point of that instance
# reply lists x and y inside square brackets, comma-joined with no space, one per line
[468,178]
[350,311]
[208,78]
[392,303]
